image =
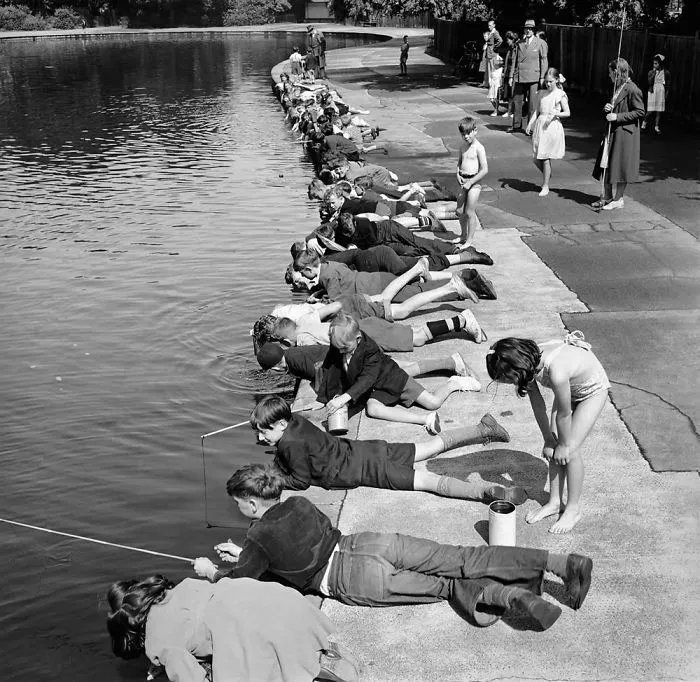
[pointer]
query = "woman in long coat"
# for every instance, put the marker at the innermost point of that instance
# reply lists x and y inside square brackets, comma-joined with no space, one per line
[624,114]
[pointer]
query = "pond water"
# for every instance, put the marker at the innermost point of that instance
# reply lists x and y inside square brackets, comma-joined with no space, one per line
[149,192]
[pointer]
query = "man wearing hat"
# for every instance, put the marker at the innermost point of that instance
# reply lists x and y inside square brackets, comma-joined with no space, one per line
[316,45]
[526,72]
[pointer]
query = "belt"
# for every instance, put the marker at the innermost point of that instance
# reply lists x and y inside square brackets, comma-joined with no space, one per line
[323,588]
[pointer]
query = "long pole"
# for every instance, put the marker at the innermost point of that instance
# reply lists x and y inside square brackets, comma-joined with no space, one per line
[606,146]
[99,542]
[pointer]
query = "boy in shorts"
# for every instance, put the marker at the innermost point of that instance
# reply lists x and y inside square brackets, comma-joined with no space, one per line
[471,168]
[357,371]
[305,455]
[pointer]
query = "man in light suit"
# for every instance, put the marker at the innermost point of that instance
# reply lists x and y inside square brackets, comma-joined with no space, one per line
[526,72]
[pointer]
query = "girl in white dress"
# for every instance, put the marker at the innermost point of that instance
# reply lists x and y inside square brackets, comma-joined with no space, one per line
[545,126]
[658,82]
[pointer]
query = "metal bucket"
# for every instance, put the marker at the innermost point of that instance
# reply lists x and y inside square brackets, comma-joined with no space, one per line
[502,517]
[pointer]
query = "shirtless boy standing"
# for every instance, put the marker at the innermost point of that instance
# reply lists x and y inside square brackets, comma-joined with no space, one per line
[471,167]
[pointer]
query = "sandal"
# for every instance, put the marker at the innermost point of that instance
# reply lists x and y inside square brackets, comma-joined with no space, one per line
[600,203]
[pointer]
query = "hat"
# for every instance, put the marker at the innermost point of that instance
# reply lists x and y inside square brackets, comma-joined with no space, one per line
[270,355]
[529,23]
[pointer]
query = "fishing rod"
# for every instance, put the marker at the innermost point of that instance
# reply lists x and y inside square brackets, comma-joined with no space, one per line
[605,156]
[204,459]
[99,542]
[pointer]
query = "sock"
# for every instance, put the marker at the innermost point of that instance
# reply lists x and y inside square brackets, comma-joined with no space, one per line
[496,594]
[462,435]
[423,221]
[439,327]
[435,365]
[556,563]
[462,490]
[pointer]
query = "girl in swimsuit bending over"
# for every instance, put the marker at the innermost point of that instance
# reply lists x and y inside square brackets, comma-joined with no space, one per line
[580,387]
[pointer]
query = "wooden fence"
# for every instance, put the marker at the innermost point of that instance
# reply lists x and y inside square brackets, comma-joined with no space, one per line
[582,54]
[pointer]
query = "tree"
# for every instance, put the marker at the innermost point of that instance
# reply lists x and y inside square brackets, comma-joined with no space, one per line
[246,12]
[467,10]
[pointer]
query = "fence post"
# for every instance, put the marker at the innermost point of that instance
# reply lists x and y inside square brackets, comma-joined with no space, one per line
[693,70]
[591,52]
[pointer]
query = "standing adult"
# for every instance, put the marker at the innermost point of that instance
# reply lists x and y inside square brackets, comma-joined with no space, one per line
[493,43]
[316,45]
[623,113]
[506,85]
[527,72]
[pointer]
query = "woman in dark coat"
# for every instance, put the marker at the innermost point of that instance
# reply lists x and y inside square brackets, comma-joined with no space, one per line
[624,113]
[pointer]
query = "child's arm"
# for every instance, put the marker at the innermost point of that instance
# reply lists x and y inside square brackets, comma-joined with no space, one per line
[460,159]
[539,409]
[561,386]
[329,309]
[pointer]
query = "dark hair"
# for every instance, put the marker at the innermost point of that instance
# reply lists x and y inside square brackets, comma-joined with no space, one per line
[262,331]
[512,35]
[325,176]
[129,604]
[256,480]
[269,410]
[296,249]
[467,124]
[305,259]
[346,226]
[514,361]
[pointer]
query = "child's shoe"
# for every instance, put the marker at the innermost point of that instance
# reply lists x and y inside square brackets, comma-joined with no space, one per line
[469,383]
[492,431]
[462,290]
[432,423]
[472,327]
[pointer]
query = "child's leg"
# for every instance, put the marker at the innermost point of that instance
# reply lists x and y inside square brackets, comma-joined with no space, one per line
[400,311]
[557,479]
[475,488]
[546,172]
[432,401]
[488,430]
[396,413]
[466,320]
[657,120]
[585,416]
[468,220]
[416,368]
[401,281]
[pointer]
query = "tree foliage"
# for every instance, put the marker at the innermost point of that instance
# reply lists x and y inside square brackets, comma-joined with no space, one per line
[466,10]
[248,12]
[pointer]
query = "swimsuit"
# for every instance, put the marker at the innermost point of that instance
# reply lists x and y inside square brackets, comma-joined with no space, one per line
[595,383]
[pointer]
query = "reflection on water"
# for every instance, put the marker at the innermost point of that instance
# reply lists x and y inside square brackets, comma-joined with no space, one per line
[149,192]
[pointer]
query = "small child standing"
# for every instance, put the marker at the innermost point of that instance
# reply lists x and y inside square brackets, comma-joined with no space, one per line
[550,105]
[403,59]
[495,83]
[296,63]
[471,168]
[658,84]
[580,387]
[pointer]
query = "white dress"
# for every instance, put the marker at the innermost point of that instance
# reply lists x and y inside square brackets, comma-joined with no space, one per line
[656,100]
[549,143]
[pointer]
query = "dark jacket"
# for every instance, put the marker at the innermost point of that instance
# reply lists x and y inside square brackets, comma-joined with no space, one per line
[493,42]
[370,369]
[623,157]
[651,76]
[293,541]
[529,64]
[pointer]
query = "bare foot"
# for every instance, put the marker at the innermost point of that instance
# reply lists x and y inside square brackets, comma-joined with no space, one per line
[549,509]
[566,521]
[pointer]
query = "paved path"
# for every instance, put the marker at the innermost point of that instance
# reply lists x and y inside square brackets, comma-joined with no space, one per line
[640,621]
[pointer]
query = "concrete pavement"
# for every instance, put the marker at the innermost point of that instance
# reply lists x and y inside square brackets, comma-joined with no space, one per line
[640,620]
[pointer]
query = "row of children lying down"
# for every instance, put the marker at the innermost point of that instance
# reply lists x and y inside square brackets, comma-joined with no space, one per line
[365,269]
[233,627]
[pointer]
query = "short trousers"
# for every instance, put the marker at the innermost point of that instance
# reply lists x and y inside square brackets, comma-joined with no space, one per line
[393,471]
[360,307]
[410,391]
[389,336]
